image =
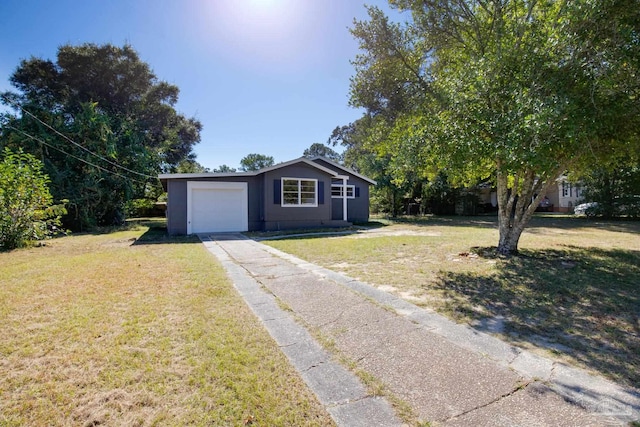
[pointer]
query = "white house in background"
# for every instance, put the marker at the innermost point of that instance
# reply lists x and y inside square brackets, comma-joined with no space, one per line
[566,195]
[563,197]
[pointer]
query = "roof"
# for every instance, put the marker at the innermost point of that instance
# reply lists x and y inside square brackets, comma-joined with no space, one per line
[344,168]
[311,162]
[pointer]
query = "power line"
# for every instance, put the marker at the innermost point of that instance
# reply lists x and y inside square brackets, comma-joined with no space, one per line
[35,138]
[86,149]
[79,145]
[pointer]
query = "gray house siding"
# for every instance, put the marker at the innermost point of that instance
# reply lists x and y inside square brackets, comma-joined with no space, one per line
[357,208]
[264,207]
[177,207]
[177,202]
[278,217]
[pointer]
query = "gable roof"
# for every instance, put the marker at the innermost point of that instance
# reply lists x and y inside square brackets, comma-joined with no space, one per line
[308,161]
[344,169]
[298,160]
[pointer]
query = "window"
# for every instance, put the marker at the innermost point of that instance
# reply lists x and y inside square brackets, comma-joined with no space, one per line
[336,191]
[299,192]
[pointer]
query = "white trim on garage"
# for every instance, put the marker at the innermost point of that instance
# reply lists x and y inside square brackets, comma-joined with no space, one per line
[217,206]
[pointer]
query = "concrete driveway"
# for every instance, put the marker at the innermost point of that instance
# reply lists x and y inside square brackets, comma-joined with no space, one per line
[448,374]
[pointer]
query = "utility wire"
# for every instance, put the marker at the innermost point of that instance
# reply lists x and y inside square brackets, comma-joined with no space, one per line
[86,149]
[81,146]
[35,138]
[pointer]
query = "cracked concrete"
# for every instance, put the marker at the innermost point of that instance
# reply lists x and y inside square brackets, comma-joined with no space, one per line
[340,391]
[449,374]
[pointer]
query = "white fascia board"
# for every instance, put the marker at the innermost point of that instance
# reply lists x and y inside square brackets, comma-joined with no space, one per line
[345,169]
[299,160]
[203,175]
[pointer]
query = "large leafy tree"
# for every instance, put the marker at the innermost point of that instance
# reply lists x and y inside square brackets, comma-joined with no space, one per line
[615,189]
[363,141]
[321,150]
[103,125]
[224,169]
[254,162]
[518,91]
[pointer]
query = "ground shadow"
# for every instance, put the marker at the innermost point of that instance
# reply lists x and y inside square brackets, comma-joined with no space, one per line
[157,234]
[538,223]
[584,302]
[316,232]
[482,221]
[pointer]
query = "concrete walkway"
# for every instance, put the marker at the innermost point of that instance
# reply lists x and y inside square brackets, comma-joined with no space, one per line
[449,374]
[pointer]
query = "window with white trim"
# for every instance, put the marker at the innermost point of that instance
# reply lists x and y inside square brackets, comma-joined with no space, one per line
[299,192]
[336,191]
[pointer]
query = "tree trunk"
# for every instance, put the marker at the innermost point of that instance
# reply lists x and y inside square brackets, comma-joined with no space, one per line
[517,201]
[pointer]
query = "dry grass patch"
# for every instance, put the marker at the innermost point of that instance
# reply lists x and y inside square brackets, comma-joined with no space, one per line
[96,330]
[573,291]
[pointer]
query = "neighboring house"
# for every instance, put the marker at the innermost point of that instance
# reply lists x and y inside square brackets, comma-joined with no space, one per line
[304,192]
[566,195]
[562,197]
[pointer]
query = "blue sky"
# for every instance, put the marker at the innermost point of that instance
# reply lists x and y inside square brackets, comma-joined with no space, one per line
[263,76]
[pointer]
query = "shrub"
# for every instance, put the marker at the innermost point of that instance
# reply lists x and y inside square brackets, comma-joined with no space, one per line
[27,212]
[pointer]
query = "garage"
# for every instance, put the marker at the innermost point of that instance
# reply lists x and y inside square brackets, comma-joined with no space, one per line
[217,207]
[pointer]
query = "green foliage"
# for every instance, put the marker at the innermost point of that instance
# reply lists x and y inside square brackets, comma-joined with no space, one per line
[362,140]
[190,166]
[254,162]
[516,90]
[441,196]
[320,150]
[616,191]
[224,169]
[138,208]
[27,212]
[103,125]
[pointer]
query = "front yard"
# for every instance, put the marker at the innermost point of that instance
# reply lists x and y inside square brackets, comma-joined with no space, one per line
[574,291]
[117,329]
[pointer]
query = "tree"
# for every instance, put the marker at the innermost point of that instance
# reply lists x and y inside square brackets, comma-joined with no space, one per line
[224,169]
[27,212]
[103,125]
[254,162]
[615,189]
[518,91]
[191,166]
[360,139]
[320,150]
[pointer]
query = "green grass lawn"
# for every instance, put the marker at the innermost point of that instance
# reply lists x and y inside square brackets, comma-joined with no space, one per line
[574,291]
[131,328]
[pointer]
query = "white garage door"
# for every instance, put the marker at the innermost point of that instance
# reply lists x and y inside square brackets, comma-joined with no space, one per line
[217,207]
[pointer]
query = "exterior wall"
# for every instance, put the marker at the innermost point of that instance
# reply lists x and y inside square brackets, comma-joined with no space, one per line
[177,207]
[357,208]
[265,209]
[554,197]
[569,195]
[278,217]
[177,202]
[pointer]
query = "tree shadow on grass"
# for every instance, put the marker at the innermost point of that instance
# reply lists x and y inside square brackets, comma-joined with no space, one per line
[538,223]
[583,302]
[482,221]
